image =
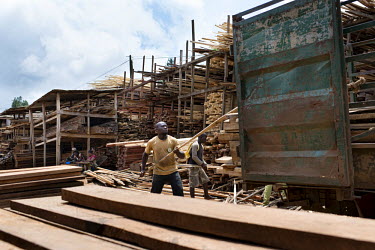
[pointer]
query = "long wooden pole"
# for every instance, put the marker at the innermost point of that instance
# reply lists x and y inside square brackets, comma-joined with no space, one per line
[220,119]
[44,134]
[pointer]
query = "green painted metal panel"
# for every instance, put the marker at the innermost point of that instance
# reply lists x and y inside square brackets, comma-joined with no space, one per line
[291,89]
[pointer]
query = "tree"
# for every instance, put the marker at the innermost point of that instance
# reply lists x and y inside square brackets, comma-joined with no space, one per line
[170,62]
[18,102]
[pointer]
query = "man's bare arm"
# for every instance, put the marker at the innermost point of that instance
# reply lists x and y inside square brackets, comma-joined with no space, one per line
[179,154]
[144,162]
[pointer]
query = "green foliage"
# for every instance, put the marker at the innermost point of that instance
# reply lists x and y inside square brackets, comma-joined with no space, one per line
[170,62]
[18,102]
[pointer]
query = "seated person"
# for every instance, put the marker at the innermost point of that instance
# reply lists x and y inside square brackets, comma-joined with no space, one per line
[91,157]
[75,157]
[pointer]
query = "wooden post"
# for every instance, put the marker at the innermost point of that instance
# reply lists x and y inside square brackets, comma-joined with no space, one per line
[58,129]
[225,67]
[124,94]
[179,93]
[32,136]
[223,107]
[207,79]
[88,124]
[187,52]
[143,67]
[193,40]
[228,24]
[116,119]
[191,91]
[131,76]
[153,85]
[44,134]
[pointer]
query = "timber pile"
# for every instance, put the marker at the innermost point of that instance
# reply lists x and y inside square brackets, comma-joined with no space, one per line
[214,106]
[129,179]
[18,231]
[175,222]
[131,129]
[168,116]
[28,182]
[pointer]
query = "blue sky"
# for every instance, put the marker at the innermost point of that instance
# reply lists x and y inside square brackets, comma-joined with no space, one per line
[64,44]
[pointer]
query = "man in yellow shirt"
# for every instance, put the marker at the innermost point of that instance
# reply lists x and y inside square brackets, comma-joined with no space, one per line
[166,170]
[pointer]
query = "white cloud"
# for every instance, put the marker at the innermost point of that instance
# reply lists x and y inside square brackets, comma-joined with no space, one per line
[49,44]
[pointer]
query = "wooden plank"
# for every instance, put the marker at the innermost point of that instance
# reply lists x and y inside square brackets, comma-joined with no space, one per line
[70,135]
[39,235]
[36,190]
[118,227]
[368,133]
[363,145]
[64,112]
[226,137]
[40,172]
[250,224]
[27,184]
[41,177]
[362,116]
[7,246]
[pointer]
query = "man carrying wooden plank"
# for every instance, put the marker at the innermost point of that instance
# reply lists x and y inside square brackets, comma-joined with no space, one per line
[197,174]
[165,171]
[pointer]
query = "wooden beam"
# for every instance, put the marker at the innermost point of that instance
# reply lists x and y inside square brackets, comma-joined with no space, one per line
[202,91]
[191,91]
[32,136]
[47,141]
[58,130]
[69,135]
[193,40]
[112,226]
[88,146]
[251,224]
[207,80]
[179,93]
[47,121]
[44,135]
[28,233]
[65,112]
[368,133]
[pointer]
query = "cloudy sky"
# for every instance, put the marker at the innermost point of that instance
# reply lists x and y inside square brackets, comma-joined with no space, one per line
[63,44]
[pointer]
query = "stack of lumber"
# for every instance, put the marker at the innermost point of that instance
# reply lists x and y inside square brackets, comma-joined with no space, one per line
[19,231]
[24,159]
[26,182]
[214,106]
[222,41]
[7,160]
[130,129]
[176,222]
[110,82]
[168,116]
[129,155]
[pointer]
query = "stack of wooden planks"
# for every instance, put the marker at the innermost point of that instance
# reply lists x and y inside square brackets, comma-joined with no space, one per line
[26,182]
[165,222]
[19,231]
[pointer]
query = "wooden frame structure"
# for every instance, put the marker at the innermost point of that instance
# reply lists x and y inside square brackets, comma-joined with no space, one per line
[58,106]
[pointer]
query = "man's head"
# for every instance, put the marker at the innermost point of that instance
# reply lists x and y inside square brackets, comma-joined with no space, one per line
[202,138]
[90,152]
[76,153]
[161,128]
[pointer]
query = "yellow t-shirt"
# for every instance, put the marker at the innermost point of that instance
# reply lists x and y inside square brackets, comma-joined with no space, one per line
[160,149]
